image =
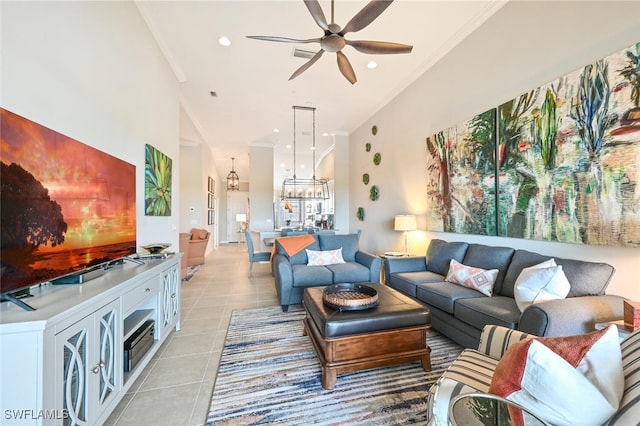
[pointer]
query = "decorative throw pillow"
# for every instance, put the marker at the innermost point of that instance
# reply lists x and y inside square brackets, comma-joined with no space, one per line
[326,257]
[564,380]
[475,278]
[537,283]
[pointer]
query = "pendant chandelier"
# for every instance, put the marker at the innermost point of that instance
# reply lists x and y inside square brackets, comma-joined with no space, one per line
[305,189]
[233,181]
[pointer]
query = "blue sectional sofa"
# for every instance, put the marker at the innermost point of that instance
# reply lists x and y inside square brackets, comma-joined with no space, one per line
[461,313]
[292,274]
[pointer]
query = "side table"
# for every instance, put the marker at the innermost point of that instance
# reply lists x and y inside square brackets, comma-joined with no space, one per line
[489,410]
[389,254]
[623,331]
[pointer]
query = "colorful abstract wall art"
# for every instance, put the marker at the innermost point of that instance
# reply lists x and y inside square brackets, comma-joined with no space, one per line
[461,183]
[157,182]
[559,163]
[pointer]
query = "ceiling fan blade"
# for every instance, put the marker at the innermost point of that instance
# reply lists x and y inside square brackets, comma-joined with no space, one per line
[284,39]
[379,47]
[345,68]
[307,64]
[366,15]
[317,13]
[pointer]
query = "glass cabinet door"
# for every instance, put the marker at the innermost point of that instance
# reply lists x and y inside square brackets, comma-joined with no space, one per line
[108,362]
[73,386]
[88,365]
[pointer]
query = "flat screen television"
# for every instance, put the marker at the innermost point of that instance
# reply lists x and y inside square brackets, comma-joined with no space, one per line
[65,207]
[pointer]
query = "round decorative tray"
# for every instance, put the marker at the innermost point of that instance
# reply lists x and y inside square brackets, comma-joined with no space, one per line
[350,297]
[156,248]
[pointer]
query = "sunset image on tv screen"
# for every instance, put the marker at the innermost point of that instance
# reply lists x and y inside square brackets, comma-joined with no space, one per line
[65,206]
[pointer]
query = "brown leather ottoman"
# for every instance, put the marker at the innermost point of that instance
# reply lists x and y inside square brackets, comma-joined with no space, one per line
[394,332]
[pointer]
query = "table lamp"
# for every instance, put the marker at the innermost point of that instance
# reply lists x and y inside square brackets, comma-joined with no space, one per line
[405,223]
[241,218]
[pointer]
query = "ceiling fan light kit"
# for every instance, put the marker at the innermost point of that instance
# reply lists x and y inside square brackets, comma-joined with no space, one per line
[333,40]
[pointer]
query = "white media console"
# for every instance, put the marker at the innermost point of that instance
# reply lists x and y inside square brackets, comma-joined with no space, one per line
[62,364]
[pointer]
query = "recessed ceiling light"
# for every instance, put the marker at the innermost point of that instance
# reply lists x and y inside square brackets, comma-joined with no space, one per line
[276,130]
[325,134]
[224,41]
[372,65]
[288,146]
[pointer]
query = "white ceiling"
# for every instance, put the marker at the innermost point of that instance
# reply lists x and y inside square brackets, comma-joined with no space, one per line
[250,77]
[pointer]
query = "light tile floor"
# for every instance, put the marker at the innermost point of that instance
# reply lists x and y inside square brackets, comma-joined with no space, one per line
[175,388]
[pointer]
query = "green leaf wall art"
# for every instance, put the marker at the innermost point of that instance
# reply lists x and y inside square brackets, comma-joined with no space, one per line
[157,182]
[374,193]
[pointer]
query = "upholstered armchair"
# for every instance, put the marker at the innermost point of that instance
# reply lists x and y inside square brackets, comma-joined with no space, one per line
[473,372]
[185,237]
[197,246]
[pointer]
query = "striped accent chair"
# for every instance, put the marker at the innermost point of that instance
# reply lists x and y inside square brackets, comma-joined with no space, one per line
[473,369]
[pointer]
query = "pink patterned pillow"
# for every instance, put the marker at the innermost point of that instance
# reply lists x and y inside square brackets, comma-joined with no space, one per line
[327,257]
[475,278]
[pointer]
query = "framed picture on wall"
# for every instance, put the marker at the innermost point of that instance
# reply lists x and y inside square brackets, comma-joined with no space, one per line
[211,187]
[211,201]
[211,217]
[157,182]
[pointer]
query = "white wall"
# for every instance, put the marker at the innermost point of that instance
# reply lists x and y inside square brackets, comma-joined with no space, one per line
[197,165]
[261,188]
[523,46]
[193,196]
[91,71]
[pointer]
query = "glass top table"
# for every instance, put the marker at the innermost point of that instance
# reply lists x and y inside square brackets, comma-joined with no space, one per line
[484,409]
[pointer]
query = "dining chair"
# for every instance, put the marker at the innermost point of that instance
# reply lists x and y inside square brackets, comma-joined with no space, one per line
[260,256]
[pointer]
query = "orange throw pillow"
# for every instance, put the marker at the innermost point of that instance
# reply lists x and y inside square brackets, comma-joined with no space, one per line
[574,380]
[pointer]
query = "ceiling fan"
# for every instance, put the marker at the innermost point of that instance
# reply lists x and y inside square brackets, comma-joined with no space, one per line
[333,39]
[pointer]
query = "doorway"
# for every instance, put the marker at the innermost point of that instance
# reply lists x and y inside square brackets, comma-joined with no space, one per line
[237,203]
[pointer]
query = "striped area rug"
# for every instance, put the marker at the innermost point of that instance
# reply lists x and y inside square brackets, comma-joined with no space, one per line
[269,374]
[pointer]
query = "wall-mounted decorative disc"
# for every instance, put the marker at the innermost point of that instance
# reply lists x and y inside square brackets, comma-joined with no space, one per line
[374,130]
[377,158]
[360,214]
[365,178]
[374,193]
[367,147]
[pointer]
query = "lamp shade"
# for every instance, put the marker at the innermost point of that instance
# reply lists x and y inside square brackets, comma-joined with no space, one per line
[241,217]
[405,222]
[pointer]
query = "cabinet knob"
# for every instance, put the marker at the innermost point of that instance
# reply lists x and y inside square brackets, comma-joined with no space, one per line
[173,296]
[147,290]
[96,369]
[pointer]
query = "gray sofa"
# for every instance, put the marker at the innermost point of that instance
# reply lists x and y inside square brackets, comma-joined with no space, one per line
[292,274]
[460,312]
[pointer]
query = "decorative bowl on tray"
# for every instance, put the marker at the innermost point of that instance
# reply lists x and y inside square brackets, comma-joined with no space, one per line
[156,248]
[350,297]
